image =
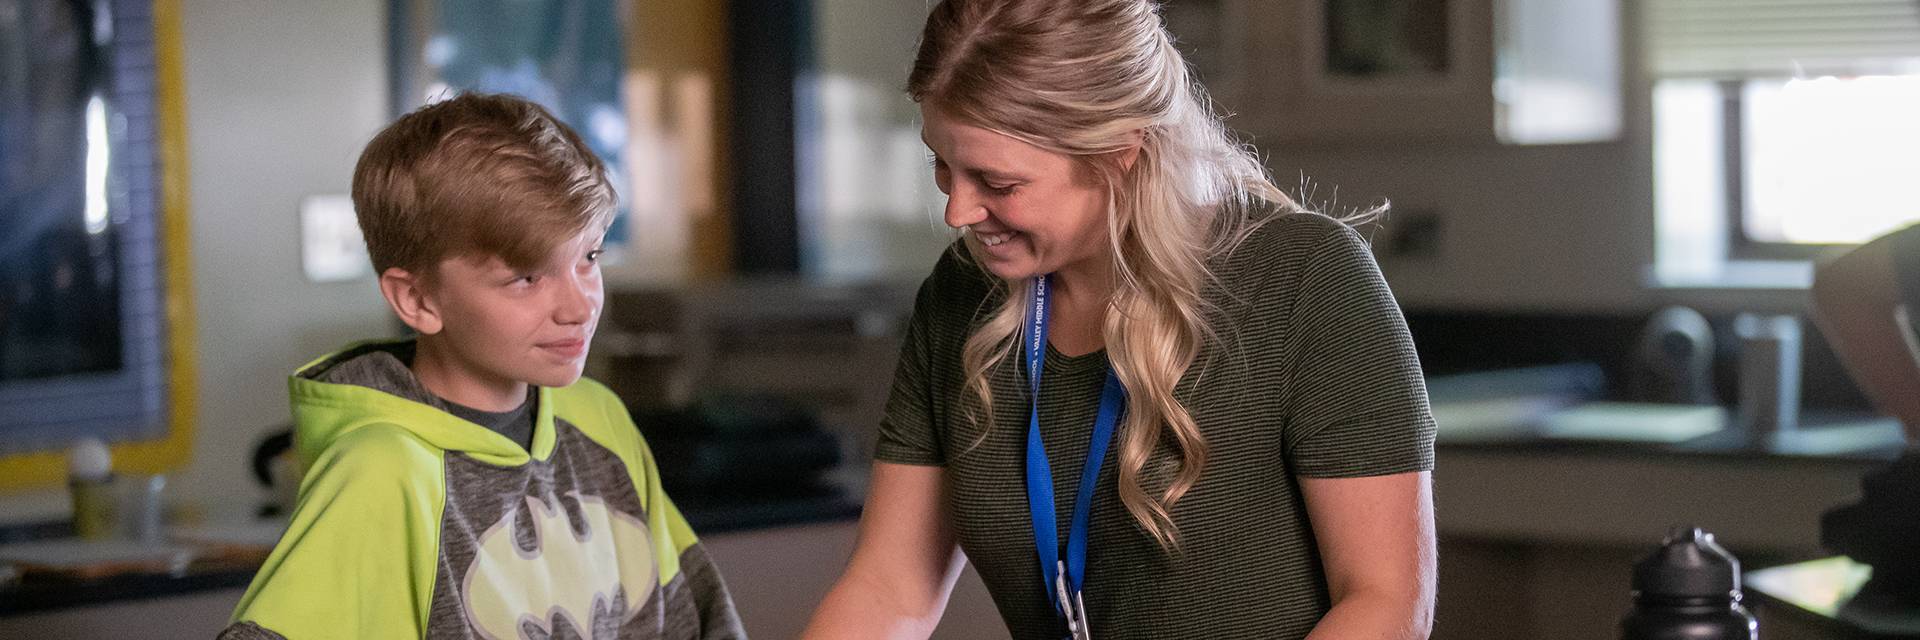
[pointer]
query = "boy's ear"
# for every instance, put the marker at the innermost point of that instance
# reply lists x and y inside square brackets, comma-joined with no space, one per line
[407,295]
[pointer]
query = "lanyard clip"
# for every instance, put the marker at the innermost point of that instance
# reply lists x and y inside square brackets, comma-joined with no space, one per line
[1071,605]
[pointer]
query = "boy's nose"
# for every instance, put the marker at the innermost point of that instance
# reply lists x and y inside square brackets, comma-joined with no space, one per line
[579,301]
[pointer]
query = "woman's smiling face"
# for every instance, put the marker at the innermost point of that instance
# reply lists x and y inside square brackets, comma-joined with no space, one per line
[1028,211]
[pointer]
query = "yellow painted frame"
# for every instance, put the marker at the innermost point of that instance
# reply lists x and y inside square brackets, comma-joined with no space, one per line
[169,452]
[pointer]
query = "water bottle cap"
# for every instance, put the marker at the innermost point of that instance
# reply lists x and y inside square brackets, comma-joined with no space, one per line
[89,460]
[1689,564]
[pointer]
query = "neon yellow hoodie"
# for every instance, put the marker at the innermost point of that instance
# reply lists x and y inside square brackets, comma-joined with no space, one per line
[414,523]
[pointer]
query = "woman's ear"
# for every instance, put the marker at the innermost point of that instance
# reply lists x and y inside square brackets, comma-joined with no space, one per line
[1131,154]
[407,295]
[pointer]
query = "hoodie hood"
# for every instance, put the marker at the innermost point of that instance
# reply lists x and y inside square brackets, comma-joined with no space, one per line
[370,384]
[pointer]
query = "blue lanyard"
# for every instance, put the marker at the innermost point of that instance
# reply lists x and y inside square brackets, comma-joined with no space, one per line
[1046,536]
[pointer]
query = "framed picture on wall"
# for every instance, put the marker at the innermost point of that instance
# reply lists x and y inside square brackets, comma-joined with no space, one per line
[1399,71]
[1385,38]
[1387,46]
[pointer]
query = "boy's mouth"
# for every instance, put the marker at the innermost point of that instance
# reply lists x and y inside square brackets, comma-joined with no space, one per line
[571,348]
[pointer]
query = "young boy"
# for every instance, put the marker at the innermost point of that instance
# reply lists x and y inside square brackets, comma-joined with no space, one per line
[468,483]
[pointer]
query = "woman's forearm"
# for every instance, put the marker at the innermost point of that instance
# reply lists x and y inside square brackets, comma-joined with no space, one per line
[904,562]
[859,610]
[1376,617]
[855,610]
[863,608]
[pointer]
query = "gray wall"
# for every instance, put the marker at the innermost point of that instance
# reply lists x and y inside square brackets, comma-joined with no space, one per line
[280,98]
[1562,227]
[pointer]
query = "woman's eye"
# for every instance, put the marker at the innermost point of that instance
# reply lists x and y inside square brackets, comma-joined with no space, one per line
[594,255]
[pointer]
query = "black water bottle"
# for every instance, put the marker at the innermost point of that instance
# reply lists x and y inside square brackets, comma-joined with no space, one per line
[1688,590]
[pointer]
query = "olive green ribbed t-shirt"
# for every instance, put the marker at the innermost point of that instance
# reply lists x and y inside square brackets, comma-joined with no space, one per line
[1314,375]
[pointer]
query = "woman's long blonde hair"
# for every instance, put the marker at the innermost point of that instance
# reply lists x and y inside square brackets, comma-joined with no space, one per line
[1089,78]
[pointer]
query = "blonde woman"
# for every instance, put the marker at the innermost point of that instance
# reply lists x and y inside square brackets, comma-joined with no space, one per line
[1146,395]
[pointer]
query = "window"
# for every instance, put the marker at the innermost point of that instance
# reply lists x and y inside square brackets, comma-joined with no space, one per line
[1829,160]
[1796,123]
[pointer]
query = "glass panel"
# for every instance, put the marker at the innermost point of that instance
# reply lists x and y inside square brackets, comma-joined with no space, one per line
[59,298]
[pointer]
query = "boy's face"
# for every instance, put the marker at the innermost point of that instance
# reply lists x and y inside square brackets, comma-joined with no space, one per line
[502,325]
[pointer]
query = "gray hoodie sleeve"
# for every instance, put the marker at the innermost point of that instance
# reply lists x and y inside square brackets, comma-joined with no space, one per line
[700,605]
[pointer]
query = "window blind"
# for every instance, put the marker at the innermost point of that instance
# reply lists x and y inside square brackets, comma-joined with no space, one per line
[1781,38]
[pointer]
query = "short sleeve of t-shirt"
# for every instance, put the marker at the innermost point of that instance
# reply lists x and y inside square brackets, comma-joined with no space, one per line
[907,434]
[1356,400]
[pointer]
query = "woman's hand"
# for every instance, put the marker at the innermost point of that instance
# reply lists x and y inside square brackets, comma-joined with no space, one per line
[1376,542]
[904,563]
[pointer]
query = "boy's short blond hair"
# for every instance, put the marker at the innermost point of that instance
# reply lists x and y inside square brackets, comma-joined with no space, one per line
[476,175]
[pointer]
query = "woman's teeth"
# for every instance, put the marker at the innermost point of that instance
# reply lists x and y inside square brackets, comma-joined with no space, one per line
[994,239]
